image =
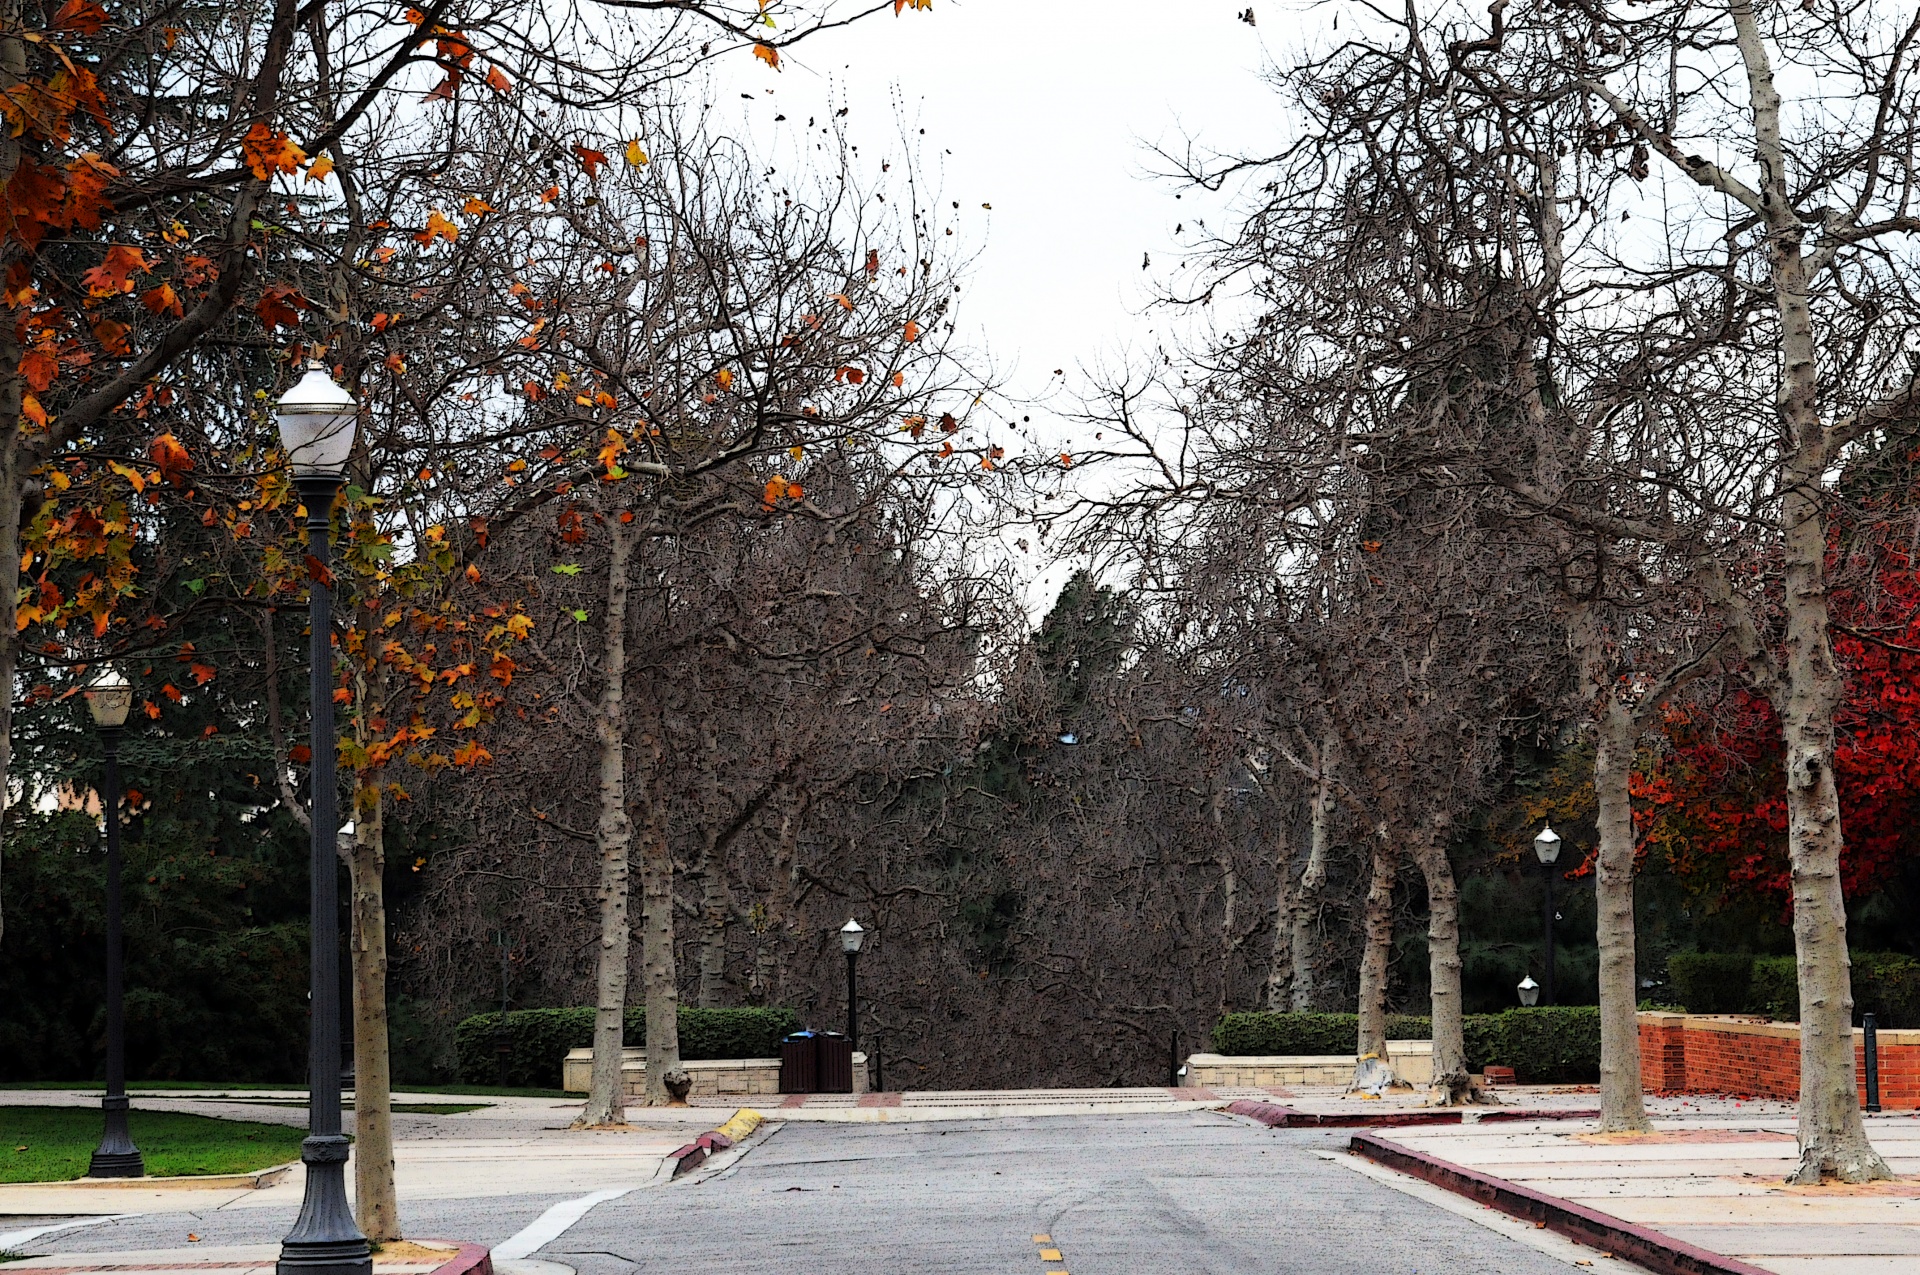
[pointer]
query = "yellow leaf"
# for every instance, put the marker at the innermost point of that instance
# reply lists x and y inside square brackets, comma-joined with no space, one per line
[796,451]
[318,170]
[635,155]
[724,378]
[438,227]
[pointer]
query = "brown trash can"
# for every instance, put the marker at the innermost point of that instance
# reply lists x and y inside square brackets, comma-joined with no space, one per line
[836,1063]
[799,1064]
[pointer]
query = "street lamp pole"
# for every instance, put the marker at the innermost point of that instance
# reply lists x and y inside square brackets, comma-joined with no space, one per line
[1546,847]
[851,937]
[109,697]
[316,428]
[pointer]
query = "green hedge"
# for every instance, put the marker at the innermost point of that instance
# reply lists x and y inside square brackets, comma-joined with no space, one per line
[538,1039]
[1885,984]
[1712,982]
[1542,1045]
[1304,1034]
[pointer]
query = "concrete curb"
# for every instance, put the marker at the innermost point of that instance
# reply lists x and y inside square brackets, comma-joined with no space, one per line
[253,1181]
[1275,1116]
[472,1259]
[1603,1231]
[695,1153]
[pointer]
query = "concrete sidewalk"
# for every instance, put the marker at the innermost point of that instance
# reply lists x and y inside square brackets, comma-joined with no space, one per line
[405,1258]
[1713,1181]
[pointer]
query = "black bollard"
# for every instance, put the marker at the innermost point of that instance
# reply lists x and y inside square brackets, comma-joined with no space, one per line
[1872,1061]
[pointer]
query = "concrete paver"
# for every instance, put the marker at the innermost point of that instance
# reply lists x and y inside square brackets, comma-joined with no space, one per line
[1715,1181]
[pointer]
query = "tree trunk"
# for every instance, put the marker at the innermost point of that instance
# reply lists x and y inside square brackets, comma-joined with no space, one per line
[1450,1083]
[10,510]
[1833,1139]
[1281,969]
[1379,948]
[613,835]
[714,915]
[1621,1108]
[376,1206]
[1306,900]
[657,970]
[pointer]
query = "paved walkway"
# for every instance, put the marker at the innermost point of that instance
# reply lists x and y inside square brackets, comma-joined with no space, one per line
[1712,1179]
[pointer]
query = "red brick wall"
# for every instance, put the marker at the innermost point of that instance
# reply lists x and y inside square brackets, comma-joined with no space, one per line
[1676,1056]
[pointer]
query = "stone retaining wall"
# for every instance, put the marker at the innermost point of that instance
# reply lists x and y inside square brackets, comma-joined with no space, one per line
[1412,1061]
[1700,1053]
[712,1077]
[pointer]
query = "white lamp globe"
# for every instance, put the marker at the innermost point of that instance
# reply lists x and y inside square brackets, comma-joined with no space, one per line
[109,698]
[1547,845]
[1529,991]
[316,420]
[851,937]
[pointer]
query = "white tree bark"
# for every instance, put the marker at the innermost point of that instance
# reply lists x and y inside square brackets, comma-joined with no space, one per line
[1306,900]
[613,836]
[376,1203]
[1450,1084]
[1621,1107]
[1375,955]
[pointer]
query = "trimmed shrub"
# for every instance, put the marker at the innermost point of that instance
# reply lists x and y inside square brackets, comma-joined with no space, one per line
[1559,1045]
[1885,984]
[537,1040]
[1713,982]
[1311,1035]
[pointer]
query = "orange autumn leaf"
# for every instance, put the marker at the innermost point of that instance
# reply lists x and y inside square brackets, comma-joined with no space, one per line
[438,227]
[476,207]
[318,170]
[497,81]
[300,754]
[268,152]
[898,5]
[471,753]
[276,306]
[947,424]
[202,673]
[768,54]
[382,321]
[912,331]
[172,692]
[114,274]
[169,457]
[724,379]
[777,486]
[112,336]
[590,159]
[841,297]
[342,695]
[39,366]
[162,300]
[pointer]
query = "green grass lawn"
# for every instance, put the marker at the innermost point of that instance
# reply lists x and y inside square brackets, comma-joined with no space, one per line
[53,1144]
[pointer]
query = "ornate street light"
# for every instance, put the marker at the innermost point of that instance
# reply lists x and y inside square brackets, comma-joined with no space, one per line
[109,699]
[1546,848]
[1529,991]
[851,937]
[316,421]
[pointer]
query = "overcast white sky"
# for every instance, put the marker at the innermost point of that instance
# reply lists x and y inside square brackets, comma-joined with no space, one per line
[1046,110]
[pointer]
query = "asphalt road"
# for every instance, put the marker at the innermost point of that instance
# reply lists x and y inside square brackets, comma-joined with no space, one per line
[1196,1194]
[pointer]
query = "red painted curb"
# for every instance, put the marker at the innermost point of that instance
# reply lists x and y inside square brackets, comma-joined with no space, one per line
[472,1259]
[1275,1116]
[1609,1234]
[695,1153]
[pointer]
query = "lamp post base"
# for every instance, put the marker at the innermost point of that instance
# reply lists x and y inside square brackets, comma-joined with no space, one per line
[324,1239]
[116,1156]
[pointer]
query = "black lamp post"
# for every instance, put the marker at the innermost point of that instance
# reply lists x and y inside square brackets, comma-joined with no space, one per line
[851,937]
[1546,847]
[109,697]
[316,428]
